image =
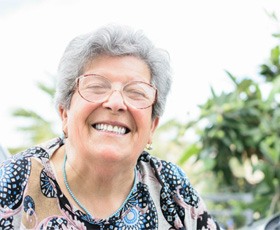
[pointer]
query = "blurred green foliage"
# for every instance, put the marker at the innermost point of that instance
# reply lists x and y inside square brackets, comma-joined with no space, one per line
[239,134]
[37,127]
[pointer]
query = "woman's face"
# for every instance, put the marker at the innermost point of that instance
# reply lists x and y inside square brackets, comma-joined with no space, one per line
[83,120]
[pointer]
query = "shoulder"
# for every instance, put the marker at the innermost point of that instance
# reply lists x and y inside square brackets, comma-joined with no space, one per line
[41,151]
[180,203]
[172,178]
[178,198]
[169,172]
[15,172]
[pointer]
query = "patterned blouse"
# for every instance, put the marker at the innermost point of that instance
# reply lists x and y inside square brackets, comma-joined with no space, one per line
[162,198]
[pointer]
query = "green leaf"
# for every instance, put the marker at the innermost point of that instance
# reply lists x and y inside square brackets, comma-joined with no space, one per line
[192,150]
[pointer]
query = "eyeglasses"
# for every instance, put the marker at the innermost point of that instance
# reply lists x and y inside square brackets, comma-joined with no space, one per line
[95,88]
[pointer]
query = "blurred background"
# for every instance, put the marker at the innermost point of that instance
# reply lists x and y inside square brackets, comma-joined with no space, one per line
[222,119]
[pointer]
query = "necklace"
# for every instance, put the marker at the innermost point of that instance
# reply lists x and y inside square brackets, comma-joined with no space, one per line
[80,204]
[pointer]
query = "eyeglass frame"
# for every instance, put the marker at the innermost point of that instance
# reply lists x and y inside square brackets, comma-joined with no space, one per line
[77,81]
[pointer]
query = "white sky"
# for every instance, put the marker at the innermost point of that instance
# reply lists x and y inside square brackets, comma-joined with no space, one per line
[203,37]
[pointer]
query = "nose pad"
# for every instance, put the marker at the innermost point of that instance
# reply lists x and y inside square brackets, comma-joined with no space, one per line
[115,101]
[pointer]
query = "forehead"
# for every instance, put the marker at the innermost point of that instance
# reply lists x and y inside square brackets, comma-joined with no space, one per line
[119,68]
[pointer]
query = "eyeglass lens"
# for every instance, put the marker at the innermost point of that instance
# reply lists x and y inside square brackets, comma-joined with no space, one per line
[95,88]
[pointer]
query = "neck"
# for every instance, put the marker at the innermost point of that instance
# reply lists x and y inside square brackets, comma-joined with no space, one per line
[102,168]
[100,179]
[101,190]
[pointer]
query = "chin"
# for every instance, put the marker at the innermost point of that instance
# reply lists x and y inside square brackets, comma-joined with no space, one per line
[110,154]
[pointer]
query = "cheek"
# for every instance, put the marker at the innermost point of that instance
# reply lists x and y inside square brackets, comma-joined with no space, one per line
[78,114]
[144,120]
[80,108]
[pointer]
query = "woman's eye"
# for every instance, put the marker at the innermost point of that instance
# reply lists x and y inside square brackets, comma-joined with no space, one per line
[136,94]
[97,88]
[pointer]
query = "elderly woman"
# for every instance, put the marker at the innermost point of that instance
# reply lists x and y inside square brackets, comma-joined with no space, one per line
[111,91]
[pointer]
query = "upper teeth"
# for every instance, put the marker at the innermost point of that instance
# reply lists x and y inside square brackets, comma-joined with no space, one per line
[111,128]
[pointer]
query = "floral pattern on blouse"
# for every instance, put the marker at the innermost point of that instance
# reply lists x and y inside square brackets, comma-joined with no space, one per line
[163,198]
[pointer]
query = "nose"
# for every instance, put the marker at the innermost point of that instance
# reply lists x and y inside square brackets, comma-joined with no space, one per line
[115,102]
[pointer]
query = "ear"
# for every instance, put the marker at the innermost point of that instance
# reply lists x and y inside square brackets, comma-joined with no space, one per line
[154,125]
[63,112]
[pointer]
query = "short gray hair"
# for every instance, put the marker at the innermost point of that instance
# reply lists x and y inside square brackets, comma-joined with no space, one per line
[112,40]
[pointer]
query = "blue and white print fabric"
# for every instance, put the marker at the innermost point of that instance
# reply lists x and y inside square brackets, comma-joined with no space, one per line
[162,199]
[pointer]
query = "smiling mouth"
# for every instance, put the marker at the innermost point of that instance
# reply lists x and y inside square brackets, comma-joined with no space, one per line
[111,128]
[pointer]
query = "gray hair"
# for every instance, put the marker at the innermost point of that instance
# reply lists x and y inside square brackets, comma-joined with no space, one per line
[114,41]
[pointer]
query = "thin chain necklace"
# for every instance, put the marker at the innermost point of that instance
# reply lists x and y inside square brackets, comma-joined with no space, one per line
[80,204]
